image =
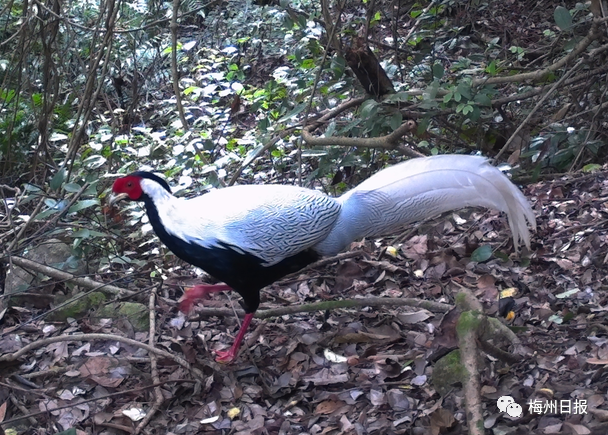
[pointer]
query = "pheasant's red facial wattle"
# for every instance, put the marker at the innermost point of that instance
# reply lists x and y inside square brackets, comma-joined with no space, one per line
[129,186]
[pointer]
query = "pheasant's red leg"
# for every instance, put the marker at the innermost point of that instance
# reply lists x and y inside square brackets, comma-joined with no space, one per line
[193,294]
[227,356]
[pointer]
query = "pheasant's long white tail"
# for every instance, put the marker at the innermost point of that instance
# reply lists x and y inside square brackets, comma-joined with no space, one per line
[425,187]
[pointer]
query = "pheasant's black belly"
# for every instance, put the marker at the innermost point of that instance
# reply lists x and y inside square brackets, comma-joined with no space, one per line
[242,271]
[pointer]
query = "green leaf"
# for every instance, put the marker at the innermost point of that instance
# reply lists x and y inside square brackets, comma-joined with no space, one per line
[37,99]
[94,162]
[464,89]
[46,213]
[467,109]
[438,70]
[368,109]
[264,124]
[562,17]
[83,234]
[252,154]
[292,113]
[491,68]
[58,179]
[308,63]
[397,97]
[591,167]
[191,89]
[81,205]
[483,100]
[72,187]
[483,253]
[396,120]
[503,256]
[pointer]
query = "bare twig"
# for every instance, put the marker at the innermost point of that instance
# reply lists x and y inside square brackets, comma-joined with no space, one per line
[60,274]
[25,226]
[100,62]
[174,72]
[538,106]
[92,337]
[52,222]
[158,394]
[93,399]
[336,44]
[23,409]
[471,384]
[435,307]
[591,36]
[272,142]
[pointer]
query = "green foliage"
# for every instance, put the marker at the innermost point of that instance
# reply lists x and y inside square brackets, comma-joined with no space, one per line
[559,146]
[563,19]
[481,254]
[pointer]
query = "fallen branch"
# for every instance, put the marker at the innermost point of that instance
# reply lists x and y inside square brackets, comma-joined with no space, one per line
[388,142]
[493,329]
[435,307]
[92,337]
[468,328]
[65,276]
[93,399]
[158,394]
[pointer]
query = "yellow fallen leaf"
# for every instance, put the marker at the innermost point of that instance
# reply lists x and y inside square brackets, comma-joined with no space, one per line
[233,412]
[392,251]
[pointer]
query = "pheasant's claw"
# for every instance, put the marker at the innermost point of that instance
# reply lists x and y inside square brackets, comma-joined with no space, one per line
[228,356]
[225,356]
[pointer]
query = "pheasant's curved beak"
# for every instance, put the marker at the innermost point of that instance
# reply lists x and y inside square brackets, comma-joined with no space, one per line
[113,199]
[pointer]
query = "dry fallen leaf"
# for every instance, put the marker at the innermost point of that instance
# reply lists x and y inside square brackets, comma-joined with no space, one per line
[328,406]
[135,414]
[333,357]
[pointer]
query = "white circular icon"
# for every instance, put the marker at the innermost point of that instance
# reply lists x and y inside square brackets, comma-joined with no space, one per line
[514,410]
[504,401]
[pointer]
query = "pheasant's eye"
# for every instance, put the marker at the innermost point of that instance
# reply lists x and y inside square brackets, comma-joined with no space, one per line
[129,184]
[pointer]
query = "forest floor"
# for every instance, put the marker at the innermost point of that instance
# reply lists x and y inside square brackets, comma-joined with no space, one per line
[361,370]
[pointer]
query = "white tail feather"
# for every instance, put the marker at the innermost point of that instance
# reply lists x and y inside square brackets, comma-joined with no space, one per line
[422,188]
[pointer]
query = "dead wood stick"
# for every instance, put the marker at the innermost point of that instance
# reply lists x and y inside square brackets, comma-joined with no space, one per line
[65,276]
[435,307]
[158,394]
[92,337]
